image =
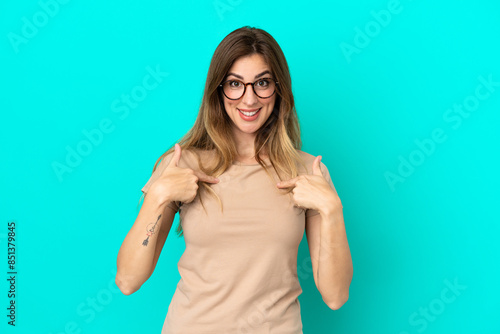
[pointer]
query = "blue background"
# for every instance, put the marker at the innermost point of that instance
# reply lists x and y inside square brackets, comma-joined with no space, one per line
[364,110]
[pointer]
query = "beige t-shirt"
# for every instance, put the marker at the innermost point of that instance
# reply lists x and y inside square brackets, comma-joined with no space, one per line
[239,269]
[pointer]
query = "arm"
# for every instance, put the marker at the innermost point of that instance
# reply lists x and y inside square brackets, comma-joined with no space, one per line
[136,261]
[142,246]
[327,240]
[330,256]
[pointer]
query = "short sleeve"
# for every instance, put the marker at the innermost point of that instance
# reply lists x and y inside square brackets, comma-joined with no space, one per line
[326,174]
[174,205]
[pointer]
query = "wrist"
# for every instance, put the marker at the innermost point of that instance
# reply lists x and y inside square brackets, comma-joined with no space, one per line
[157,197]
[331,212]
[331,208]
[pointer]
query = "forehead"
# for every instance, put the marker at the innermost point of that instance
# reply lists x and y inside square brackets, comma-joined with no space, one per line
[249,66]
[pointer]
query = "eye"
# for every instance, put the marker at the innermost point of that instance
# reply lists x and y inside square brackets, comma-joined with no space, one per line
[234,84]
[262,83]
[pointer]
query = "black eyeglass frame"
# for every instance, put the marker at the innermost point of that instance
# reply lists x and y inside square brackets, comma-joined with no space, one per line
[245,87]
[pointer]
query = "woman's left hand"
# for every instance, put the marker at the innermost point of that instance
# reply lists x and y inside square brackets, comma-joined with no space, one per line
[313,191]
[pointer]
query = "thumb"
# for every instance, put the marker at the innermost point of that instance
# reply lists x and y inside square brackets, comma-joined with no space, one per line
[177,156]
[316,169]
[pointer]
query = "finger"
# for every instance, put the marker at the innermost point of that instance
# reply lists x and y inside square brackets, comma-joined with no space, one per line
[177,156]
[205,178]
[287,183]
[316,168]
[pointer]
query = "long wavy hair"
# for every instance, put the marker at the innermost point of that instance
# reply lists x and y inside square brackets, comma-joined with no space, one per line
[212,130]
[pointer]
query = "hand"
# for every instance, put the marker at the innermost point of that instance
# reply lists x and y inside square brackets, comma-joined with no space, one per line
[313,191]
[179,184]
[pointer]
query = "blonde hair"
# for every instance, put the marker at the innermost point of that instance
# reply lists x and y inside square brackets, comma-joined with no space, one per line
[280,135]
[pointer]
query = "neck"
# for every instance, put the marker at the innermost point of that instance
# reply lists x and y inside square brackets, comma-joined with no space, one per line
[245,144]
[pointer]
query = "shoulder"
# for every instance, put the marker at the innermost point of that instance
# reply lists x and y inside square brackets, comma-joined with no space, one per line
[188,159]
[308,160]
[192,158]
[307,157]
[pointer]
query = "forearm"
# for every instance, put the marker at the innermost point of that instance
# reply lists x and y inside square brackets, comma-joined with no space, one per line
[335,263]
[136,254]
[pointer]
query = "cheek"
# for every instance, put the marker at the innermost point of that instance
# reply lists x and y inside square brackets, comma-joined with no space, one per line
[229,105]
[227,108]
[270,105]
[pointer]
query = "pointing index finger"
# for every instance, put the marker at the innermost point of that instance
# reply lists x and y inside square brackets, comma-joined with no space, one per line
[206,178]
[287,183]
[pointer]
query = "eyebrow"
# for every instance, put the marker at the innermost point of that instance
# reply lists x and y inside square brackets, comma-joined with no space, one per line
[240,77]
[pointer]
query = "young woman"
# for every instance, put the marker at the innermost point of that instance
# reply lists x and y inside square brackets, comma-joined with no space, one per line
[245,193]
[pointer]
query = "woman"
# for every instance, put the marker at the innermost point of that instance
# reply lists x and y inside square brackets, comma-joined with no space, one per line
[245,193]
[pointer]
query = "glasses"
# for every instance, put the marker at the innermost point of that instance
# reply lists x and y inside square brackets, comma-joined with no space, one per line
[234,89]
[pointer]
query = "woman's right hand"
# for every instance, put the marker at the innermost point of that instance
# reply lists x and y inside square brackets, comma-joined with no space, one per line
[177,183]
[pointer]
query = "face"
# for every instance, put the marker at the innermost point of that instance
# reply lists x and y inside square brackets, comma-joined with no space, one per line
[249,69]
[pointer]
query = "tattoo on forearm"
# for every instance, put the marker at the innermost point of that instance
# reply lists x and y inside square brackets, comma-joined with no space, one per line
[150,229]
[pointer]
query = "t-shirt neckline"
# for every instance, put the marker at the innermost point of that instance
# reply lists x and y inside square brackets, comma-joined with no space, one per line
[236,163]
[243,164]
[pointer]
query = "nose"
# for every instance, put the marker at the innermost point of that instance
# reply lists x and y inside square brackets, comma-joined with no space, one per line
[249,98]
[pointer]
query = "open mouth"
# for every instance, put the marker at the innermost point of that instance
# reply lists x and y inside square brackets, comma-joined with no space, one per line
[249,113]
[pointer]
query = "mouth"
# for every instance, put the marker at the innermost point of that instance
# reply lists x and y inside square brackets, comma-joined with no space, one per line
[249,114]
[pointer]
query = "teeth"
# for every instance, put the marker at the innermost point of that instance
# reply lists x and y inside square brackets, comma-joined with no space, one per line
[249,113]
